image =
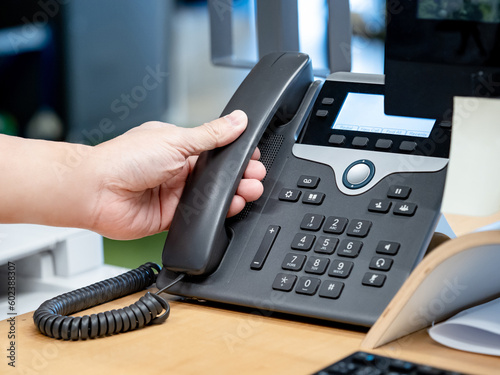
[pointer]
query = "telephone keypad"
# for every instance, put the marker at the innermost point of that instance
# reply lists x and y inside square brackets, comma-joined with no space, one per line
[312,222]
[335,269]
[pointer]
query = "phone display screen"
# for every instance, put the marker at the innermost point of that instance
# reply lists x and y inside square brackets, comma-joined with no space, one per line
[365,113]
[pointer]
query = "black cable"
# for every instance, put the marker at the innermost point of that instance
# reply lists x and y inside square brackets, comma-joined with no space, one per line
[52,319]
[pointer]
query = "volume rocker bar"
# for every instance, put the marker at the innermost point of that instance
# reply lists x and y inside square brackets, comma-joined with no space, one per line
[265,246]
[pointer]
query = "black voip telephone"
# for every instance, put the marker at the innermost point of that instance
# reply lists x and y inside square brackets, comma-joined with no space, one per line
[351,200]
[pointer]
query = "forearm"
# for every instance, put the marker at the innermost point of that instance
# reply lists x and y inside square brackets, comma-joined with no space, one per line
[45,182]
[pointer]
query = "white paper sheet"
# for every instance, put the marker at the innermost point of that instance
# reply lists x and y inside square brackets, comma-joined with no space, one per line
[475,330]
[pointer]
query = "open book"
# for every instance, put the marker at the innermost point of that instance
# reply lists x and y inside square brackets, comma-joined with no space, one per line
[458,274]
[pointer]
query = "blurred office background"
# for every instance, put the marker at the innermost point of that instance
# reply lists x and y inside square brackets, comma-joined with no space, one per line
[88,70]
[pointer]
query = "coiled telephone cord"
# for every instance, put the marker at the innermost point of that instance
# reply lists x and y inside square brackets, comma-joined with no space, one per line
[52,319]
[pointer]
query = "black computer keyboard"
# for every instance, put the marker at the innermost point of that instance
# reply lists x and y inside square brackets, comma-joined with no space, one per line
[361,363]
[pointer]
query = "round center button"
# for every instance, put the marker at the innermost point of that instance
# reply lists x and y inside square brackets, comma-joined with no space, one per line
[358,174]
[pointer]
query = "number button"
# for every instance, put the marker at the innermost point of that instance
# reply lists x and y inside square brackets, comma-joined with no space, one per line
[350,248]
[317,265]
[310,182]
[307,285]
[358,228]
[340,268]
[293,262]
[326,245]
[331,289]
[312,222]
[303,242]
[335,225]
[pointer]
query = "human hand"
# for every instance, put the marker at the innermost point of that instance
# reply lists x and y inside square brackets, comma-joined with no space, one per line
[143,172]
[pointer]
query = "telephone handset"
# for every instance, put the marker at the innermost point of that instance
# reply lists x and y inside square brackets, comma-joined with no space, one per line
[275,85]
[351,200]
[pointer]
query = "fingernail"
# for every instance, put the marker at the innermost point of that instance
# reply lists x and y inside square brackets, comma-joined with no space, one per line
[237,118]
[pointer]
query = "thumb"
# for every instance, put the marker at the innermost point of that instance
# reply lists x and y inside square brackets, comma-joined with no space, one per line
[216,133]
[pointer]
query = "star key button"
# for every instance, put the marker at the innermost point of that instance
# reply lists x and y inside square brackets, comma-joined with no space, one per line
[284,282]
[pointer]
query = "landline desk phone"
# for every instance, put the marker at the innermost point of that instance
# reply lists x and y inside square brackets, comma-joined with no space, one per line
[351,200]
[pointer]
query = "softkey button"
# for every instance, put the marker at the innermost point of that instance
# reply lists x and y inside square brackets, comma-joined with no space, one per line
[284,282]
[336,139]
[383,144]
[408,146]
[327,101]
[321,113]
[360,141]
[265,247]
[309,182]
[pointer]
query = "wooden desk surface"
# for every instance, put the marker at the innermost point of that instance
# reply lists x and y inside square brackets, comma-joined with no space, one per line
[199,339]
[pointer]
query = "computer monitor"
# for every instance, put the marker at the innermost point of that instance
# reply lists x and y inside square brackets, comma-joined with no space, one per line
[439,49]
